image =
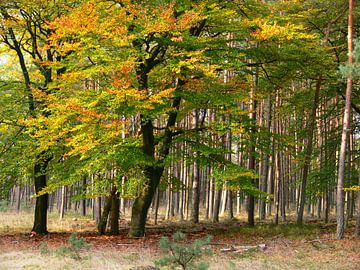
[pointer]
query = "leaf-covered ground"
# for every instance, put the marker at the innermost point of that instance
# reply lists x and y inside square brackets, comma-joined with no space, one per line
[288,246]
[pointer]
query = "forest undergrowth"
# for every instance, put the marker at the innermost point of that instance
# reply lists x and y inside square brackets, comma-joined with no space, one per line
[287,246]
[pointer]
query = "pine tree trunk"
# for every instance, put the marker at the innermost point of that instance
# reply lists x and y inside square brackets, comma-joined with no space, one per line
[340,230]
[18,198]
[63,201]
[309,149]
[251,166]
[83,201]
[357,226]
[196,185]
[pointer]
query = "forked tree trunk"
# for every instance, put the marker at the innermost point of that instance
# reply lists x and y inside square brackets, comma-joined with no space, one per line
[152,173]
[142,203]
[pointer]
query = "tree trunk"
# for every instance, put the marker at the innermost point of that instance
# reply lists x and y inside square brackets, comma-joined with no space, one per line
[41,205]
[104,216]
[83,201]
[340,230]
[195,203]
[357,226]
[196,187]
[114,214]
[18,198]
[252,159]
[309,149]
[62,205]
[217,205]
[142,203]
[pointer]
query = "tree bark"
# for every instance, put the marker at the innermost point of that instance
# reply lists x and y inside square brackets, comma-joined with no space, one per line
[41,205]
[63,201]
[309,149]
[114,214]
[196,187]
[340,204]
[104,216]
[357,226]
[152,173]
[83,201]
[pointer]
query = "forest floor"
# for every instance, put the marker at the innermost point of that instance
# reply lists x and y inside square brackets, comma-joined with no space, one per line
[288,246]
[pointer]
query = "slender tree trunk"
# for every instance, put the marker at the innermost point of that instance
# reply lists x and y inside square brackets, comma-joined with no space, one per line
[18,198]
[217,205]
[157,202]
[195,204]
[252,159]
[63,201]
[83,201]
[196,188]
[265,161]
[357,226]
[309,149]
[340,230]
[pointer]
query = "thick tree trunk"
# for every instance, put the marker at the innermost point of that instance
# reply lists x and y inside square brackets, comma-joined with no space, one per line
[104,216]
[97,209]
[114,214]
[142,203]
[41,205]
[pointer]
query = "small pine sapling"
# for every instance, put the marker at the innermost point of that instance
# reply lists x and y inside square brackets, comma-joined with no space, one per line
[186,256]
[75,246]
